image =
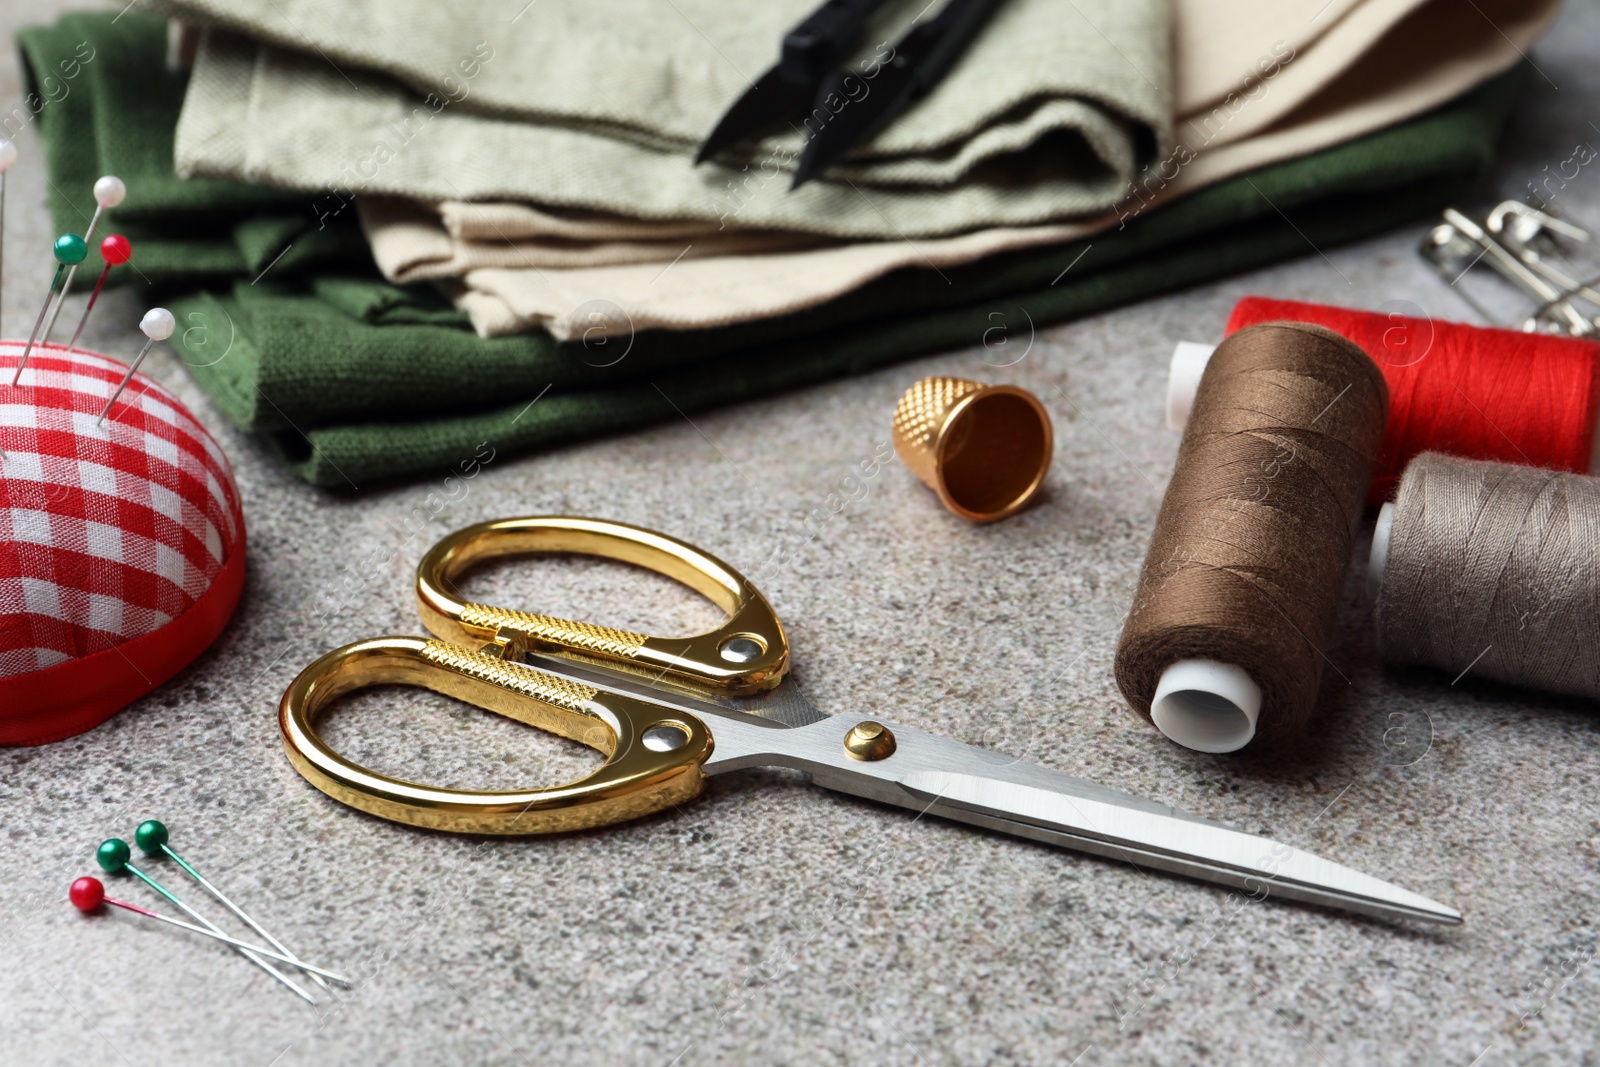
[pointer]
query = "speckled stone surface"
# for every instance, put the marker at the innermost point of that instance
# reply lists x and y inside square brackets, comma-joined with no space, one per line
[770,922]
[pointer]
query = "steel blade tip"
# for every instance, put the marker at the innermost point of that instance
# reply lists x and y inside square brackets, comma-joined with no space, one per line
[1443,915]
[805,170]
[710,147]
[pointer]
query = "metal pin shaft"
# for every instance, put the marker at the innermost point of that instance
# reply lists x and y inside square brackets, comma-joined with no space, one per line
[231,906]
[26,352]
[2,234]
[209,925]
[84,321]
[126,378]
[314,972]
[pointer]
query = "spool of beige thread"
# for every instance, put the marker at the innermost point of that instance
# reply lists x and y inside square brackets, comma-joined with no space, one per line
[985,449]
[1490,570]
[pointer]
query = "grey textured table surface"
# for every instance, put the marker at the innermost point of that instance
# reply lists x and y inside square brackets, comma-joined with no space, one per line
[770,922]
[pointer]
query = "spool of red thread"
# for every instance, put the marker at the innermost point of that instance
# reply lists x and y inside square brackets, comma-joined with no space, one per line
[1469,391]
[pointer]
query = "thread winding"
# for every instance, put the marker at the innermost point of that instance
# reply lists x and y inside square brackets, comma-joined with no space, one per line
[1248,559]
[1481,393]
[1493,571]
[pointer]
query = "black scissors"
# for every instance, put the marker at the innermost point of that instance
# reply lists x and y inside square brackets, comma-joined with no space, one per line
[808,74]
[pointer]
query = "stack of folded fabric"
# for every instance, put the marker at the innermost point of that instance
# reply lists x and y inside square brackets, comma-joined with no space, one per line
[392,226]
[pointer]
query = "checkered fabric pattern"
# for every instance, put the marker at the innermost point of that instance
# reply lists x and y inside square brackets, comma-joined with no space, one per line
[107,532]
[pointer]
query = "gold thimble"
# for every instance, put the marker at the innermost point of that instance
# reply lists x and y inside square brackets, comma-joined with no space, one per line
[983,448]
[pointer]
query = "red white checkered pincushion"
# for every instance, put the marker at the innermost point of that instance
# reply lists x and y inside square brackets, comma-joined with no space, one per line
[121,543]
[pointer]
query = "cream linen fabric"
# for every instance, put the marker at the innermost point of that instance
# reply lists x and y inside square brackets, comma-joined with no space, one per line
[415,241]
[1051,112]
[1410,57]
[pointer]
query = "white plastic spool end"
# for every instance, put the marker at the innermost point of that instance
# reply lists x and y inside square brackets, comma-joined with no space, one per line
[1378,561]
[1189,361]
[1206,705]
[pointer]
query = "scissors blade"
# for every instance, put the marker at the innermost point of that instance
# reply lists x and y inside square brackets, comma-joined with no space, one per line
[810,50]
[1208,851]
[856,120]
[939,776]
[770,99]
[785,705]
[942,777]
[921,57]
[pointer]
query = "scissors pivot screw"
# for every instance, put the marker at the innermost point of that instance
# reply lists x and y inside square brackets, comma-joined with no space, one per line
[666,737]
[869,741]
[740,649]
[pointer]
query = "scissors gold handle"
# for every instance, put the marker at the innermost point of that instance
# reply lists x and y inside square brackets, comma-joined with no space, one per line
[748,653]
[654,755]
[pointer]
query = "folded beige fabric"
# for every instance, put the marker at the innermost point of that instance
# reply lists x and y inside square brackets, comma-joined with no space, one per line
[1407,58]
[476,221]
[416,241]
[1217,39]
[1049,114]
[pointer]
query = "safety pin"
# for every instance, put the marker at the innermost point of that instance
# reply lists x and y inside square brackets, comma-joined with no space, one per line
[1529,225]
[1446,247]
[1451,255]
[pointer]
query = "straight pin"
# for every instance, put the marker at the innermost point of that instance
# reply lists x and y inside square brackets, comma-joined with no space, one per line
[115,250]
[87,894]
[114,855]
[69,249]
[157,325]
[109,191]
[8,156]
[151,837]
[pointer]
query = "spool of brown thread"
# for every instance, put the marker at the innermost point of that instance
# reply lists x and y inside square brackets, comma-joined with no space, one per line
[1491,570]
[1237,600]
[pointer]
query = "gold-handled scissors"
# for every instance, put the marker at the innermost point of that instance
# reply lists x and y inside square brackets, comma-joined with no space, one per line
[669,713]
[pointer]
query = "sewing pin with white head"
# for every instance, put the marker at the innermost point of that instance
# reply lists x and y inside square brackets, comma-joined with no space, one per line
[157,325]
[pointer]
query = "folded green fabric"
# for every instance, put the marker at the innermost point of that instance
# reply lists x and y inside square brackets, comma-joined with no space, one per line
[360,381]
